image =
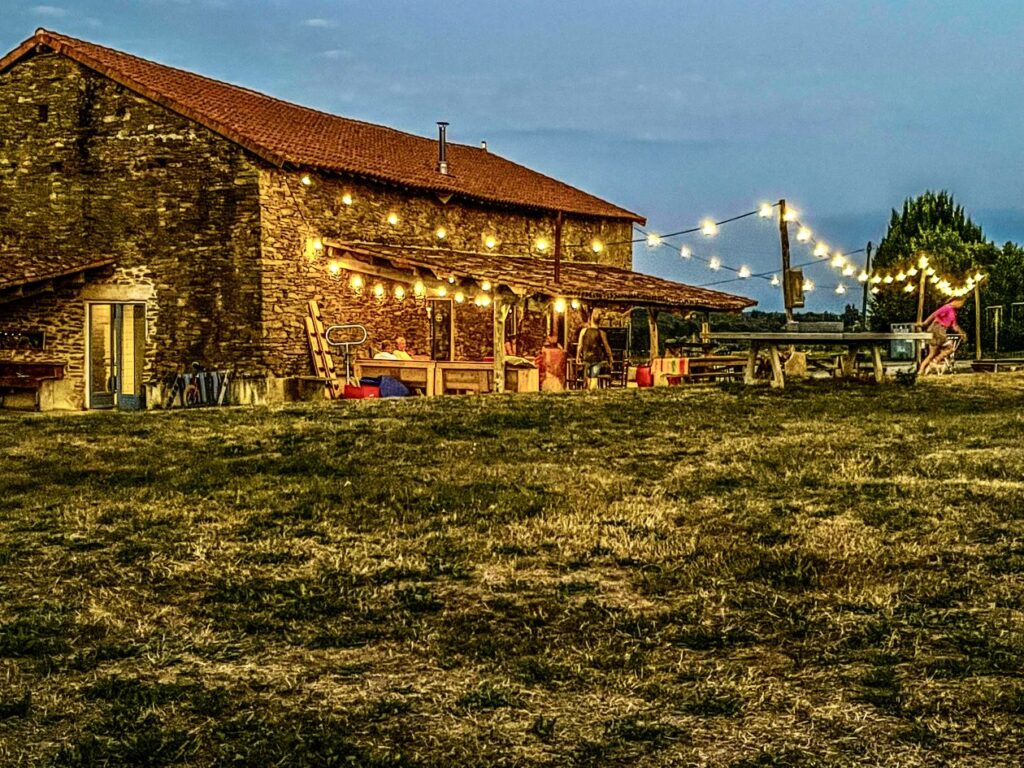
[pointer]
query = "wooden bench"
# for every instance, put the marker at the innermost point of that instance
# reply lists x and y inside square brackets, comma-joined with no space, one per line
[18,377]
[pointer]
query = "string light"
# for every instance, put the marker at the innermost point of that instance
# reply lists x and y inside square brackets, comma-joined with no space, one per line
[346,199]
[306,181]
[378,290]
[653,240]
[765,211]
[442,291]
[685,252]
[744,272]
[840,289]
[708,228]
[393,219]
[909,288]
[849,270]
[400,292]
[334,268]
[808,285]
[419,289]
[459,297]
[490,242]
[887,279]
[714,263]
[901,277]
[863,276]
[803,234]
[838,261]
[575,303]
[542,244]
[441,233]
[597,246]
[356,283]
[485,285]
[791,215]
[821,250]
[775,280]
[559,306]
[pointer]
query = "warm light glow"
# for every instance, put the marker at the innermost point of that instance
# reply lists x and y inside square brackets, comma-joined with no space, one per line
[334,268]
[791,215]
[685,252]
[442,291]
[901,276]
[912,271]
[346,199]
[887,279]
[838,261]
[441,233]
[542,244]
[485,285]
[356,283]
[876,279]
[775,280]
[653,240]
[483,300]
[821,250]
[559,306]
[597,246]
[714,263]
[876,290]
[318,244]
[744,272]
[306,181]
[840,289]
[863,276]
[979,277]
[400,292]
[808,285]
[575,303]
[909,288]
[451,279]
[803,234]
[922,262]
[708,228]
[490,241]
[930,271]
[393,219]
[419,289]
[378,290]
[765,211]
[848,270]
[459,297]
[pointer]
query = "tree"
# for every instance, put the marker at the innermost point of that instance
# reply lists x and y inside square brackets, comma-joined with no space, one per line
[1005,287]
[931,224]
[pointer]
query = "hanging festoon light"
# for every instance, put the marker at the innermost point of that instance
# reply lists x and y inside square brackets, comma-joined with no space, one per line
[541,244]
[863,276]
[575,303]
[400,292]
[714,263]
[490,241]
[808,285]
[559,305]
[821,250]
[459,297]
[775,281]
[356,283]
[849,270]
[334,268]
[803,234]
[393,219]
[346,199]
[485,285]
[653,240]
[306,180]
[744,272]
[440,233]
[442,291]
[685,252]
[708,228]
[765,210]
[419,290]
[840,289]
[378,290]
[596,246]
[908,288]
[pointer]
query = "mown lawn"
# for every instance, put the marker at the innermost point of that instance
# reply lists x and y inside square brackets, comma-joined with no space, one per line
[831,575]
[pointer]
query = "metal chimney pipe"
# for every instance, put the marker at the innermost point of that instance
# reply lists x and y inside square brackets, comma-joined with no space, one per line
[442,147]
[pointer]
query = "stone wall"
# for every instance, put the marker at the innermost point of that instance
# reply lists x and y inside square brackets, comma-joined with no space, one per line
[88,168]
[294,214]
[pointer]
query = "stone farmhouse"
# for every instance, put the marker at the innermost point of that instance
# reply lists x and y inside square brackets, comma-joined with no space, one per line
[151,218]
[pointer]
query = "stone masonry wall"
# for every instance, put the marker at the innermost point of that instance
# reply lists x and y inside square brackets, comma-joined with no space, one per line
[87,167]
[294,214]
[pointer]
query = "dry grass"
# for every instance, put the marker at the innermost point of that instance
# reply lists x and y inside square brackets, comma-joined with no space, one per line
[726,577]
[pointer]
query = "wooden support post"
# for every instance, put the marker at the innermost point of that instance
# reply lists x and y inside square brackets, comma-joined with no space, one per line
[977,322]
[867,288]
[876,358]
[498,306]
[652,327]
[558,248]
[778,377]
[787,295]
[919,348]
[751,369]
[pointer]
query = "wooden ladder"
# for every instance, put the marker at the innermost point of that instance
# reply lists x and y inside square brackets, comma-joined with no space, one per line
[323,363]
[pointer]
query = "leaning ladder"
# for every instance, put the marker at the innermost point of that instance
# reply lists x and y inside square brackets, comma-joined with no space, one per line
[323,363]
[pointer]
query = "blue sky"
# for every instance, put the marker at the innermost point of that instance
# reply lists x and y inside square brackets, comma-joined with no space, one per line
[678,110]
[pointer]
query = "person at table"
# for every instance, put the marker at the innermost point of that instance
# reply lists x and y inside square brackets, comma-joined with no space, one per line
[401,350]
[939,324]
[593,351]
[551,365]
[386,352]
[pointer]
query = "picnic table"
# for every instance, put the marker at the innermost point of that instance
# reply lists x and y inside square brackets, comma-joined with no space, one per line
[853,343]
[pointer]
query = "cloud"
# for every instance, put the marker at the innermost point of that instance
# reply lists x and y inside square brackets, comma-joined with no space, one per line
[319,23]
[336,53]
[53,11]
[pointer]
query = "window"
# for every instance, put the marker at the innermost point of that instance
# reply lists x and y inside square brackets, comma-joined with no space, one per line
[442,329]
[44,112]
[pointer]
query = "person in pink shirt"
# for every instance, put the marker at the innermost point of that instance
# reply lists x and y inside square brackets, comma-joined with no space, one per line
[939,323]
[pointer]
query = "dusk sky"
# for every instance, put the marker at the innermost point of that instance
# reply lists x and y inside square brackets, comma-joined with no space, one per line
[677,110]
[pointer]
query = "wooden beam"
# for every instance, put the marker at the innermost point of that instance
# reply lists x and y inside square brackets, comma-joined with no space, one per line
[499,306]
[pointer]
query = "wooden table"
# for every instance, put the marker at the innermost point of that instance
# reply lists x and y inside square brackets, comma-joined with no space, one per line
[441,377]
[853,342]
[415,374]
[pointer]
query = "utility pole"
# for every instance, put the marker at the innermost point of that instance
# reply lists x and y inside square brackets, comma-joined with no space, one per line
[867,286]
[787,295]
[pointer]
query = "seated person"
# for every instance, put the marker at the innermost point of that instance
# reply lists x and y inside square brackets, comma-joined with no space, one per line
[551,362]
[386,352]
[401,351]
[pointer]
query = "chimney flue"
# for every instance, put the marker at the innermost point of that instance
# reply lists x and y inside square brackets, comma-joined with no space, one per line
[442,147]
[483,145]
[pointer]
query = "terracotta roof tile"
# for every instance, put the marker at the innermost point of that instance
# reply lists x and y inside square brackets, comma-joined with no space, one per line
[535,276]
[284,133]
[17,269]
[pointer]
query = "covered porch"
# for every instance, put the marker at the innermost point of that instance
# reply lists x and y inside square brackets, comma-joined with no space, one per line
[516,301]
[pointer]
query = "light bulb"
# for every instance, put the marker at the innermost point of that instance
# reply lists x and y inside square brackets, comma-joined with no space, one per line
[490,241]
[685,252]
[791,215]
[775,280]
[909,288]
[714,263]
[442,291]
[901,276]
[575,303]
[306,181]
[840,289]
[357,283]
[863,276]
[559,306]
[459,297]
[399,292]
[653,240]
[597,246]
[334,268]
[744,272]
[803,234]
[709,228]
[378,290]
[346,199]
[441,233]
[887,279]
[485,285]
[848,270]
[418,288]
[393,219]
[821,250]
[765,211]
[542,244]
[808,285]
[838,261]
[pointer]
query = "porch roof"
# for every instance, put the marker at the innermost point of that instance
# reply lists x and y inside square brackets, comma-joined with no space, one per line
[600,284]
[24,274]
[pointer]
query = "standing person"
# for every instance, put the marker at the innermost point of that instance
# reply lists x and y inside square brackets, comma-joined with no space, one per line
[939,323]
[551,365]
[592,351]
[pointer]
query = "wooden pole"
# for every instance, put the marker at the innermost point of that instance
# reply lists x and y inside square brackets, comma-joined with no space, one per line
[652,327]
[498,307]
[867,287]
[558,248]
[918,346]
[787,297]
[977,322]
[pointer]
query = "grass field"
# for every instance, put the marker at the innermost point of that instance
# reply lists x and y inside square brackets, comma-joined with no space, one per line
[826,576]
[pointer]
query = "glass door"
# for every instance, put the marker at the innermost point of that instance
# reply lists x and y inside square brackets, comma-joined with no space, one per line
[117,344]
